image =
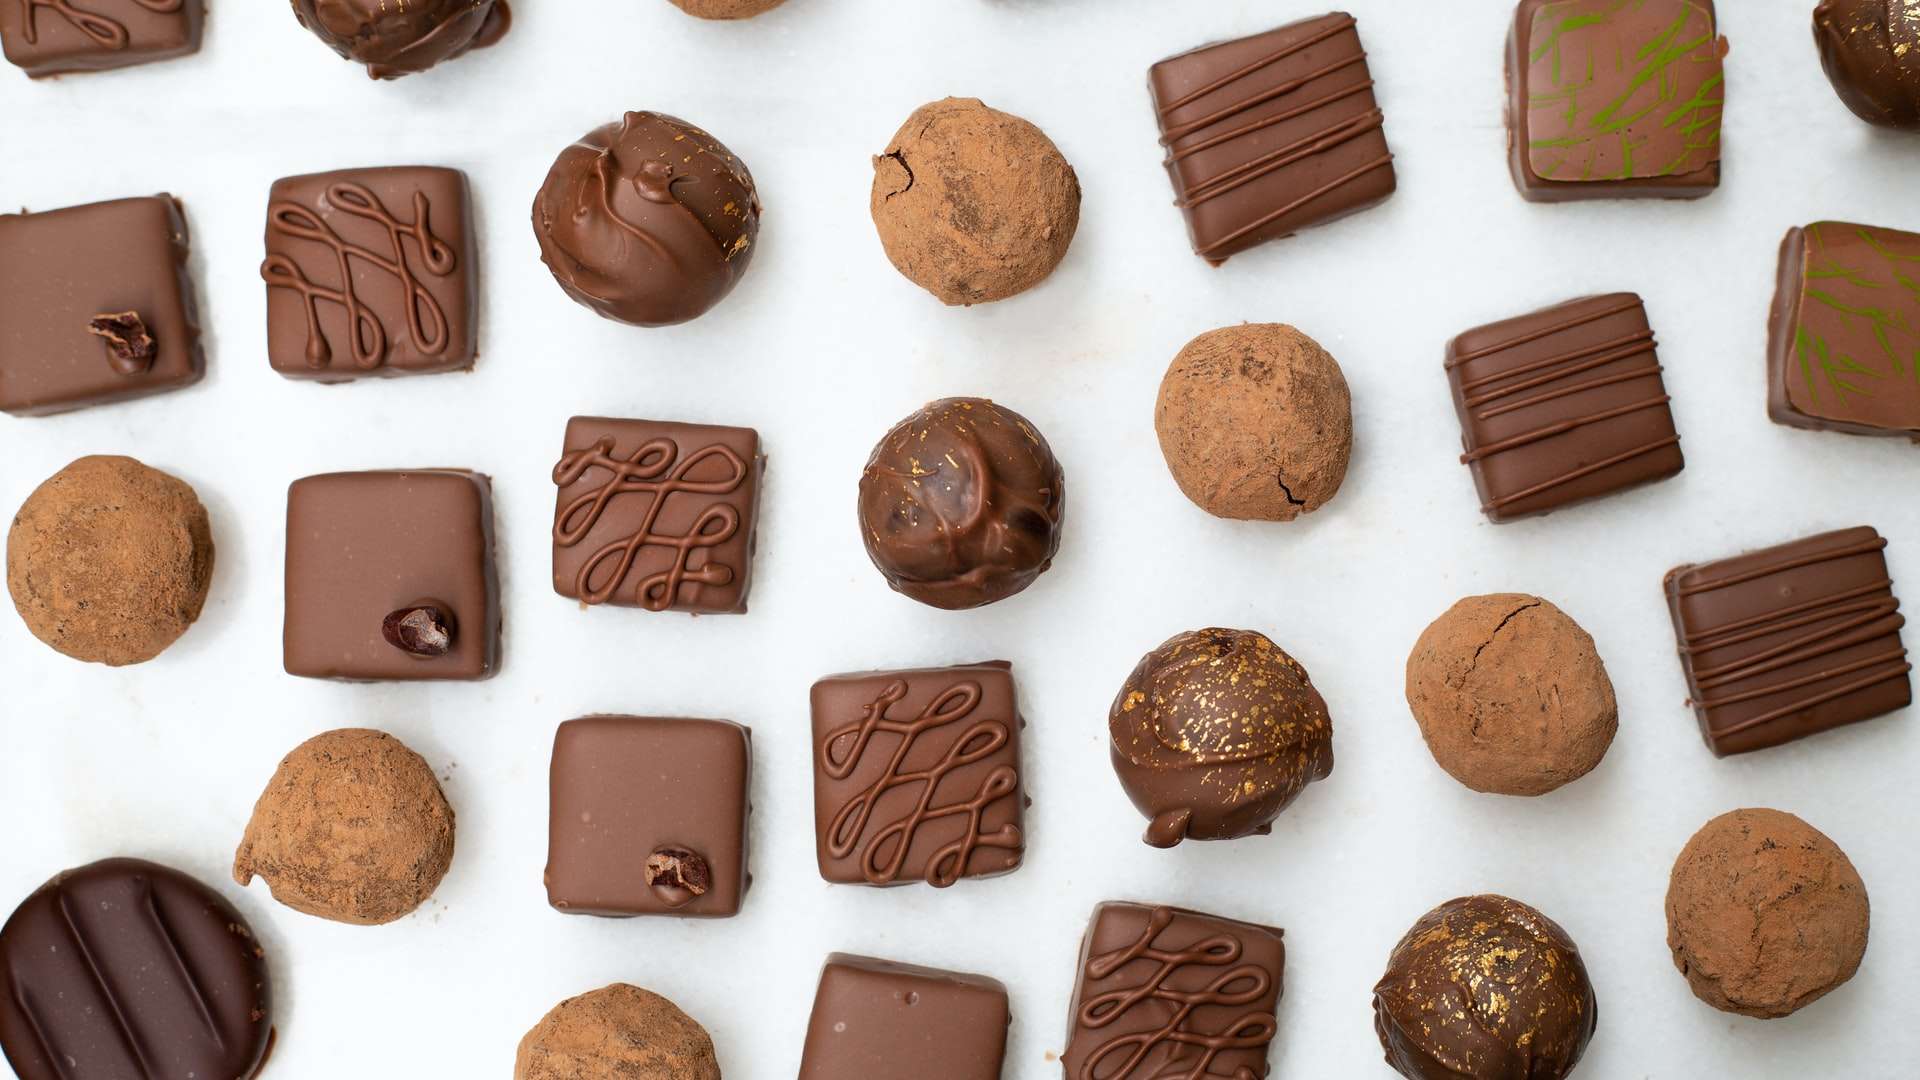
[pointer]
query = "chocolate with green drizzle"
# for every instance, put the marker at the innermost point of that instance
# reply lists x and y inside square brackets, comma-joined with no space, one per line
[1844,352]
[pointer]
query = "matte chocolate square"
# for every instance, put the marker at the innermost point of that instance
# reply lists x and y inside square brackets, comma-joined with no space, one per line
[648,817]
[370,272]
[1612,100]
[1162,989]
[366,549]
[51,37]
[656,515]
[1563,405]
[1844,350]
[916,775]
[1791,641]
[1271,134]
[95,305]
[878,1019]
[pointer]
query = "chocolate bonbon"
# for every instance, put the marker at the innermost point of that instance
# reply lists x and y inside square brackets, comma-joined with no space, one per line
[1272,134]
[1844,335]
[1215,733]
[1164,991]
[961,504]
[917,775]
[1485,988]
[656,515]
[405,545]
[393,40]
[617,1031]
[1562,405]
[80,289]
[1611,100]
[727,9]
[648,220]
[1790,641]
[879,1018]
[648,816]
[1871,52]
[125,968]
[54,37]
[370,272]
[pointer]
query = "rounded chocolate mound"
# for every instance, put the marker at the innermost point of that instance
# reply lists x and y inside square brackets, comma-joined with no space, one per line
[727,9]
[617,1031]
[1871,52]
[401,39]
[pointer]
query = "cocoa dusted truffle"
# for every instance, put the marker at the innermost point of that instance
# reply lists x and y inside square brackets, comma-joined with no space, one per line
[353,827]
[1256,422]
[1871,50]
[1215,733]
[1511,695]
[727,9]
[961,504]
[973,204]
[1485,988]
[618,1030]
[109,560]
[402,39]
[648,220]
[1765,915]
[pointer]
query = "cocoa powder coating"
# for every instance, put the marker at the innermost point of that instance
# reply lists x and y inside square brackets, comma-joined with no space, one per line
[1765,914]
[109,561]
[617,1031]
[973,204]
[1511,695]
[353,827]
[726,9]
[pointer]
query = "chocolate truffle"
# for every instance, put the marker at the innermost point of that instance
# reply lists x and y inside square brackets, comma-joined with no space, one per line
[877,1018]
[618,1030]
[649,220]
[961,504]
[53,37]
[1215,733]
[1485,988]
[126,968]
[1765,915]
[727,9]
[1843,336]
[973,204]
[1255,422]
[353,827]
[1871,50]
[401,39]
[1511,695]
[109,560]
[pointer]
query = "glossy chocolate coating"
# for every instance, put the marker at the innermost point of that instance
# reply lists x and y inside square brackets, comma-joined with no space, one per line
[877,1018]
[1215,733]
[402,39]
[1871,52]
[53,37]
[125,968]
[1844,331]
[961,504]
[647,220]
[1485,988]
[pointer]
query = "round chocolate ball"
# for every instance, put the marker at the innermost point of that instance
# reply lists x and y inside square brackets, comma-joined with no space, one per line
[1485,988]
[727,9]
[401,39]
[1765,915]
[1871,51]
[353,827]
[649,220]
[109,561]
[1511,695]
[1255,422]
[961,504]
[973,204]
[617,1031]
[1215,733]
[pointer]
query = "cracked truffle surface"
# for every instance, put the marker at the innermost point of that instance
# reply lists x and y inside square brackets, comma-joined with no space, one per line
[617,1031]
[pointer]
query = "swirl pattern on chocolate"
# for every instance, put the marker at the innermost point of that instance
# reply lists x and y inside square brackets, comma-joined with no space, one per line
[105,31]
[1871,52]
[403,39]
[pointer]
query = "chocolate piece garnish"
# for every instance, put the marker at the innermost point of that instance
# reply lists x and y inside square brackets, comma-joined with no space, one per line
[53,37]
[1843,350]
[678,876]
[423,630]
[130,348]
[878,1018]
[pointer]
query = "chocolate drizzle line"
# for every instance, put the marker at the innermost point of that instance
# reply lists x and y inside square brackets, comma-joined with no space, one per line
[1251,1031]
[106,32]
[114,1006]
[884,853]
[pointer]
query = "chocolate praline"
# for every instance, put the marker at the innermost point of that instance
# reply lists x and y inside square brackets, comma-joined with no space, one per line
[403,39]
[647,220]
[1871,52]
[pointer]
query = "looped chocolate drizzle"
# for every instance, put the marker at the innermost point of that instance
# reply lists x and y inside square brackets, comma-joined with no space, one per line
[106,32]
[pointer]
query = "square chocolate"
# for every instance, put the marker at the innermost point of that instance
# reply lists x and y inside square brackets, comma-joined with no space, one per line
[390,576]
[1159,987]
[656,515]
[916,775]
[370,272]
[95,305]
[879,1019]
[1271,134]
[648,817]
[1844,348]
[1791,641]
[1612,100]
[1563,405]
[51,37]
